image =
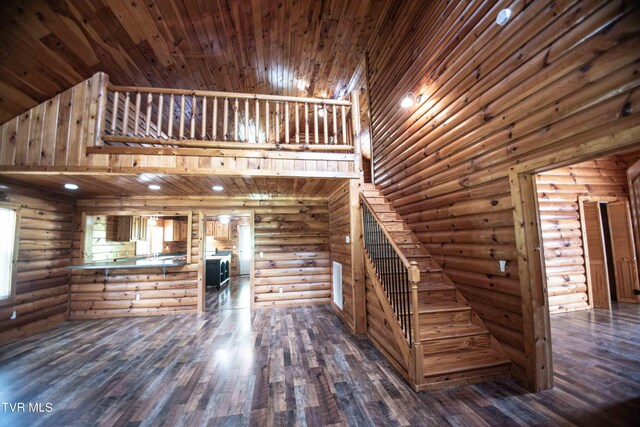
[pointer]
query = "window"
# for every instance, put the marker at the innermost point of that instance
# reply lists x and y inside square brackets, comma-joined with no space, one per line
[9,219]
[154,242]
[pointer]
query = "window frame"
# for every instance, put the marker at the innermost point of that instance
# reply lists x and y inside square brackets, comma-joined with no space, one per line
[16,244]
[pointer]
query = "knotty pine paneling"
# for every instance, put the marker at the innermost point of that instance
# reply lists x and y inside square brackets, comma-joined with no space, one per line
[291,233]
[56,132]
[294,242]
[296,48]
[378,329]
[42,288]
[340,226]
[558,193]
[559,73]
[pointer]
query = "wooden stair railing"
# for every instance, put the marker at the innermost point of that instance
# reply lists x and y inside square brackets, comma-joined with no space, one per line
[441,340]
[207,119]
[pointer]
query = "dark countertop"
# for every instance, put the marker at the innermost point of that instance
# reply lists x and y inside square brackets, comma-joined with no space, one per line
[162,261]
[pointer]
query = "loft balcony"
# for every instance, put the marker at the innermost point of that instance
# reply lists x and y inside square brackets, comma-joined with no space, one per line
[96,127]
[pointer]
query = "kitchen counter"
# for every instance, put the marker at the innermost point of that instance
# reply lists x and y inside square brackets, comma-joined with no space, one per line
[161,262]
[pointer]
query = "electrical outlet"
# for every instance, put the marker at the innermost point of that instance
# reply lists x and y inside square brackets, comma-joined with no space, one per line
[280,290]
[137,296]
[503,265]
[14,315]
[261,254]
[347,239]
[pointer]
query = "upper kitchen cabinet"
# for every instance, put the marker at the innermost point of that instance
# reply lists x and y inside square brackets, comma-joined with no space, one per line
[219,230]
[175,230]
[131,228]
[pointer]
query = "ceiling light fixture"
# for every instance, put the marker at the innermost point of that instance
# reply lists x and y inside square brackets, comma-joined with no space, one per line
[70,186]
[154,187]
[503,17]
[410,99]
[217,188]
[224,219]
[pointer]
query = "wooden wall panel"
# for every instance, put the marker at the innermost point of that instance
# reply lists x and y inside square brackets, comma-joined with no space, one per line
[57,132]
[292,235]
[42,289]
[557,74]
[340,226]
[296,241]
[558,193]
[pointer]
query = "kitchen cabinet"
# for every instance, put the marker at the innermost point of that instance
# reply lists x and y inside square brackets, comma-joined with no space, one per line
[218,230]
[221,231]
[175,230]
[131,228]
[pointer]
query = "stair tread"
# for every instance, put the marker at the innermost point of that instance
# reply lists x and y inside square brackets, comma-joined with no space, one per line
[440,364]
[439,307]
[450,330]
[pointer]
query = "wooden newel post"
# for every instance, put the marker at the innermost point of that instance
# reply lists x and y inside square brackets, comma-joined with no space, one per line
[414,279]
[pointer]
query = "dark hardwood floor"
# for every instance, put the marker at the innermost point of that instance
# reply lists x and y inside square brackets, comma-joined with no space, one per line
[234,295]
[299,366]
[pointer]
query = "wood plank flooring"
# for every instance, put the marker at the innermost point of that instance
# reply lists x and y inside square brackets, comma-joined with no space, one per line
[299,366]
[236,294]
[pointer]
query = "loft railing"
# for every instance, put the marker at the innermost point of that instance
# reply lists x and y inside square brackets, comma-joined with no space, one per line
[398,276]
[185,118]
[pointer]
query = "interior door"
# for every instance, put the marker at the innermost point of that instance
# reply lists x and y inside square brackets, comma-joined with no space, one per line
[244,250]
[596,262]
[633,175]
[623,249]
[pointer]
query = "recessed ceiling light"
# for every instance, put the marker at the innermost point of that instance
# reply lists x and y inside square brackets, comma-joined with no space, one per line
[217,188]
[69,186]
[154,187]
[503,17]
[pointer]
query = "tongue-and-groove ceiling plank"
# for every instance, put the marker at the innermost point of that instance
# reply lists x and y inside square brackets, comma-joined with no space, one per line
[285,47]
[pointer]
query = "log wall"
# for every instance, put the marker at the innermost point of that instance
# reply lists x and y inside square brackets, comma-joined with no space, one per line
[42,289]
[559,73]
[340,226]
[558,192]
[292,235]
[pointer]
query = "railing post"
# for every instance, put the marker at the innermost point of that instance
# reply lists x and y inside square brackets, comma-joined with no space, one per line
[414,279]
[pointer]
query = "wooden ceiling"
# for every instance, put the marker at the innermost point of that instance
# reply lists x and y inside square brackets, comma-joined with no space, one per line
[176,185]
[286,47]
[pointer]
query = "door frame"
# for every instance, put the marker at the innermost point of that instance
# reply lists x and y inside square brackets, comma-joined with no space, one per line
[538,374]
[585,247]
[202,224]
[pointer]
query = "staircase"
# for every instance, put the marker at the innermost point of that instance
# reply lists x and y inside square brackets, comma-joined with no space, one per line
[449,341]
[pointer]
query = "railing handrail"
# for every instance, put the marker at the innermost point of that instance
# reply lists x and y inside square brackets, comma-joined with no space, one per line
[398,251]
[234,95]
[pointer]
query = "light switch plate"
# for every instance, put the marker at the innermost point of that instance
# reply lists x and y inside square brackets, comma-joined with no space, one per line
[347,239]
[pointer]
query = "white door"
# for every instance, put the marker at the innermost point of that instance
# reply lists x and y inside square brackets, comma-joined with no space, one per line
[244,251]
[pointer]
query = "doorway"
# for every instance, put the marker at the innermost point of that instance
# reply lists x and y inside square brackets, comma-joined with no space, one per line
[539,208]
[226,261]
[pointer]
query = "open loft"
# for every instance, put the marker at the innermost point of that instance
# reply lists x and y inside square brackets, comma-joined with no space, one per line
[295,212]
